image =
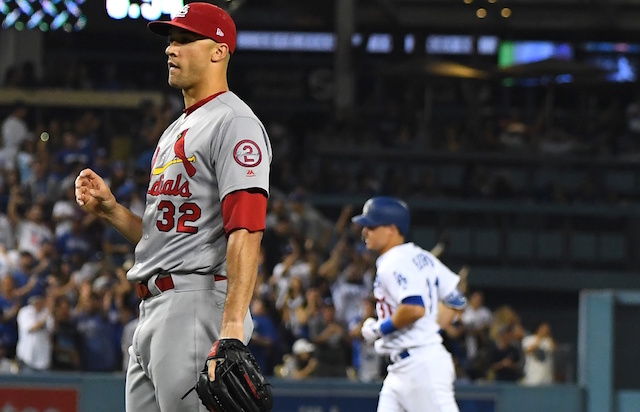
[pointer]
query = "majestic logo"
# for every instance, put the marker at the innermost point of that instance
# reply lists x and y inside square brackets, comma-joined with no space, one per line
[181,157]
[247,153]
[183,12]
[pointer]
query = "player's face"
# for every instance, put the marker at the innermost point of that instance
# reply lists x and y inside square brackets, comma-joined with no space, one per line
[377,238]
[189,58]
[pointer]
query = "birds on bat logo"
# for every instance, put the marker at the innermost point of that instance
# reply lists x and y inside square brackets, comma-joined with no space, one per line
[180,157]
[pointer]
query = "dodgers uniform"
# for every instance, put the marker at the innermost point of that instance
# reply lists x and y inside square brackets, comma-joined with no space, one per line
[217,146]
[421,375]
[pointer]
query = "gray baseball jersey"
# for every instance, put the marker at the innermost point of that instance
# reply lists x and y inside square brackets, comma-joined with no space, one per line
[207,153]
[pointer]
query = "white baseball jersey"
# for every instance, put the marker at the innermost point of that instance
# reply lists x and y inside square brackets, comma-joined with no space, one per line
[420,377]
[408,270]
[210,151]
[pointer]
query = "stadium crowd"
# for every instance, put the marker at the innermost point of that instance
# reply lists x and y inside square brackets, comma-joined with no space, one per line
[65,303]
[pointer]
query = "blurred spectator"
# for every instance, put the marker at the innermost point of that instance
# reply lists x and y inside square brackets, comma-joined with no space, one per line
[42,187]
[65,211]
[65,339]
[505,356]
[75,242]
[294,314]
[9,307]
[306,221]
[505,360]
[331,340]
[264,339]
[74,76]
[452,332]
[117,248]
[7,365]
[61,282]
[506,315]
[340,256]
[97,350]
[12,77]
[7,241]
[350,289]
[110,78]
[24,160]
[301,364]
[14,130]
[86,127]
[476,320]
[29,78]
[276,209]
[46,263]
[26,281]
[539,351]
[102,163]
[366,362]
[35,325]
[113,288]
[294,265]
[275,240]
[72,153]
[9,183]
[32,231]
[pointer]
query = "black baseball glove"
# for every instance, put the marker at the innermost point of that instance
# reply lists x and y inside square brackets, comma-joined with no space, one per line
[239,385]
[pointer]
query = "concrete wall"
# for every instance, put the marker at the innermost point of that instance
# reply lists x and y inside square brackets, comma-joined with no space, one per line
[105,393]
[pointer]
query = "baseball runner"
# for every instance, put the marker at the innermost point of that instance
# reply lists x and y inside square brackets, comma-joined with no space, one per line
[410,282]
[198,241]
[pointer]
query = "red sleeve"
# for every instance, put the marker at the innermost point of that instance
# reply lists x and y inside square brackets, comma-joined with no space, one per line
[244,210]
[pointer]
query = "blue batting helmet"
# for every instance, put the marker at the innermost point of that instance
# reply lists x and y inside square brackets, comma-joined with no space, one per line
[383,210]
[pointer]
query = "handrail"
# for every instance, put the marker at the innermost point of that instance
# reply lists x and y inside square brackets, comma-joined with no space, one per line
[79,98]
[401,155]
[497,207]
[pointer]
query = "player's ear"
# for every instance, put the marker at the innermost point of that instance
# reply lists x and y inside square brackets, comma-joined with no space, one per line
[219,52]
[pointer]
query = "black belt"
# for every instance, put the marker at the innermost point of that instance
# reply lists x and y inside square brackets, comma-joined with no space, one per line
[163,283]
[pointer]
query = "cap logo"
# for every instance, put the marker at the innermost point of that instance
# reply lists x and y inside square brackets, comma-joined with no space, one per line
[367,205]
[219,32]
[183,12]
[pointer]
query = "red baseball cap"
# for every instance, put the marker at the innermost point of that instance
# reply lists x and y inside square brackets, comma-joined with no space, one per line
[202,18]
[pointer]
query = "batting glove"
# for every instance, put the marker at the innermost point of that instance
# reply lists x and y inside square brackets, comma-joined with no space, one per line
[371,330]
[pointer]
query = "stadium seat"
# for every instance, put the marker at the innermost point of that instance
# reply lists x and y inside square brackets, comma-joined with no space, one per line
[460,245]
[582,247]
[425,237]
[612,248]
[622,182]
[486,243]
[450,175]
[550,246]
[520,245]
